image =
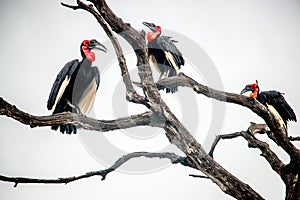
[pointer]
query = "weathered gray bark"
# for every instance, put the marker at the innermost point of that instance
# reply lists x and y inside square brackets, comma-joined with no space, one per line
[159,115]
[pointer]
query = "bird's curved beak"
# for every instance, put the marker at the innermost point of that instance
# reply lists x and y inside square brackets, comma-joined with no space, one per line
[150,25]
[94,44]
[246,89]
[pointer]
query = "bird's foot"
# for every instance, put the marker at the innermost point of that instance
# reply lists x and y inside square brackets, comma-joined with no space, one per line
[76,108]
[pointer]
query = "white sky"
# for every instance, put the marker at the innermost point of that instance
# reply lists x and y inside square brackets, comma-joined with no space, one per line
[246,40]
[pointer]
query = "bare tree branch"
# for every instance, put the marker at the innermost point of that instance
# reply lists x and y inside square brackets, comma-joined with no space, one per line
[175,159]
[175,131]
[279,133]
[163,117]
[289,173]
[297,138]
[101,125]
[276,164]
[219,137]
[143,119]
[198,176]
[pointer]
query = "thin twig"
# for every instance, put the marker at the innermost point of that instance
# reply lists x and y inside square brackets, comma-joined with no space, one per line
[198,176]
[297,138]
[175,159]
[253,142]
[219,137]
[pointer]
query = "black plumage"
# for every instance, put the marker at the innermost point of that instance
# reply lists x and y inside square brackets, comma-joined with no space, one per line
[163,53]
[75,87]
[274,99]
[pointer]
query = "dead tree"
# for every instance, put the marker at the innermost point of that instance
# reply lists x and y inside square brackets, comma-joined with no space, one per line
[159,115]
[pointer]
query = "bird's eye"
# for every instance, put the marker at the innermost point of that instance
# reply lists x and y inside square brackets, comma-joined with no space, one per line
[86,42]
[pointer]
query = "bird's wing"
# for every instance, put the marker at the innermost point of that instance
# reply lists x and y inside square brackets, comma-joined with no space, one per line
[173,55]
[89,93]
[277,100]
[61,82]
[97,75]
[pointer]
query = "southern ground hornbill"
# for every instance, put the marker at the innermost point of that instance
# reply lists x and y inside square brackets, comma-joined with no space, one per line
[274,101]
[75,87]
[163,53]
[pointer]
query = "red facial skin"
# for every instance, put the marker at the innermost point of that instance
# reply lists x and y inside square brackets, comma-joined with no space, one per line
[87,52]
[255,92]
[153,35]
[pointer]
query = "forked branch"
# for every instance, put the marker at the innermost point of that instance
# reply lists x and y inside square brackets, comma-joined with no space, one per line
[249,135]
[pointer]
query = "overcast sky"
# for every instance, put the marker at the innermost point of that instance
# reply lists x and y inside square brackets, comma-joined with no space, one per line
[235,42]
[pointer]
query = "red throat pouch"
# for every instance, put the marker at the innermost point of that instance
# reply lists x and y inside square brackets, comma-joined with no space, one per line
[88,54]
[254,94]
[150,37]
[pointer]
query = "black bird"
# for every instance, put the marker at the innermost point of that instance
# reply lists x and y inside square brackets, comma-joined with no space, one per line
[274,101]
[163,53]
[75,87]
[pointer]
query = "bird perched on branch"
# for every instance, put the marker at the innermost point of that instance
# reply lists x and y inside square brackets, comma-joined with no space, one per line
[274,101]
[75,87]
[163,53]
